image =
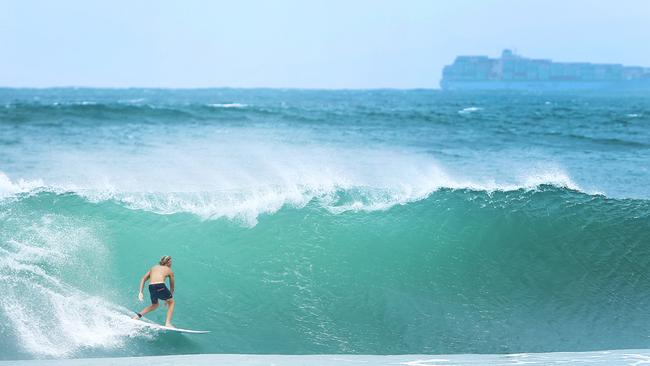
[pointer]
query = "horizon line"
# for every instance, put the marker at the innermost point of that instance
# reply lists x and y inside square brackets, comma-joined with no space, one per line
[215,87]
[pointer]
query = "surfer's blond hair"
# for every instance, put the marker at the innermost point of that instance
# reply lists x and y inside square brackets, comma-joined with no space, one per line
[165,260]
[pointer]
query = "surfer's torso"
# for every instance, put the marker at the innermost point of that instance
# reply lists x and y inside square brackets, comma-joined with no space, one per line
[159,274]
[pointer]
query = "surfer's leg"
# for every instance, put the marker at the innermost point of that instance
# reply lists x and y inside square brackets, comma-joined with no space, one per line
[170,312]
[146,310]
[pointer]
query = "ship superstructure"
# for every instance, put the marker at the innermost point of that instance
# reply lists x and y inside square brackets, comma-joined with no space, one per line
[512,71]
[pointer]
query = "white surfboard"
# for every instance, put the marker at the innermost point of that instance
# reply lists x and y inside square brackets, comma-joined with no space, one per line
[151,324]
[181,330]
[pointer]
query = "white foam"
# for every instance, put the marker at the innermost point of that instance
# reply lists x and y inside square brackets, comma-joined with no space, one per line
[7,187]
[469,110]
[247,204]
[133,101]
[47,315]
[426,362]
[227,105]
[609,358]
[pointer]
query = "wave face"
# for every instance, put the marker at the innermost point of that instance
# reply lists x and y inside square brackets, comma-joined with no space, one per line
[460,271]
[300,222]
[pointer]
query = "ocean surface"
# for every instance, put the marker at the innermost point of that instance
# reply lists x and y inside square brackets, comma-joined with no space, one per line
[324,222]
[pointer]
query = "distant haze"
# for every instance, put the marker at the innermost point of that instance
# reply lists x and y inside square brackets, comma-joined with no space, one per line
[300,44]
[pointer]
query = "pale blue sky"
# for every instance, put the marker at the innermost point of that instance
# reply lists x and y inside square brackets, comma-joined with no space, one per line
[305,44]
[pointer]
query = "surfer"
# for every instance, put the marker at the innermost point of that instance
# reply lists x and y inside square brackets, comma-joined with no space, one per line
[157,288]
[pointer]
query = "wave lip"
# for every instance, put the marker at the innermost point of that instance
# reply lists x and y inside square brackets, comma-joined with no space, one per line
[337,194]
[8,188]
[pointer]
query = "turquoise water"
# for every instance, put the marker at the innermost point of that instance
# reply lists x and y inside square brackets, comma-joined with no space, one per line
[324,222]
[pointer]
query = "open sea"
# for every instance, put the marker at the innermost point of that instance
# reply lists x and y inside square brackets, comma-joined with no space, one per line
[310,222]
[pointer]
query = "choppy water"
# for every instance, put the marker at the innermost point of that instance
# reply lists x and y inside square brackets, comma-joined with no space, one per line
[369,222]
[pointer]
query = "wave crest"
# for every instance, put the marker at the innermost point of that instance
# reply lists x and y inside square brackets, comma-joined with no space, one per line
[246,204]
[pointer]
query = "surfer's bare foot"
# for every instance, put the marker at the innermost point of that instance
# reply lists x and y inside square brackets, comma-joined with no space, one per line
[169,325]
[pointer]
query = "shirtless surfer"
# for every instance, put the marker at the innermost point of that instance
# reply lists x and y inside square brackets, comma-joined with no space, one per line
[157,288]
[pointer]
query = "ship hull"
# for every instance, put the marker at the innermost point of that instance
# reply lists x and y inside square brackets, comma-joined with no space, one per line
[544,85]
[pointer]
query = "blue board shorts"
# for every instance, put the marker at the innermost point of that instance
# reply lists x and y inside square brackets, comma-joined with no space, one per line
[159,291]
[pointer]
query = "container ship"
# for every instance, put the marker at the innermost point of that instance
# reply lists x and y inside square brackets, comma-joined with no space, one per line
[512,71]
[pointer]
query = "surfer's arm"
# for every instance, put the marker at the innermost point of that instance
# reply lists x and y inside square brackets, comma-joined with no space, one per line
[142,281]
[171,282]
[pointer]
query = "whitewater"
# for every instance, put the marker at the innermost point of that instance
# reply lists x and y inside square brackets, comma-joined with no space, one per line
[306,222]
